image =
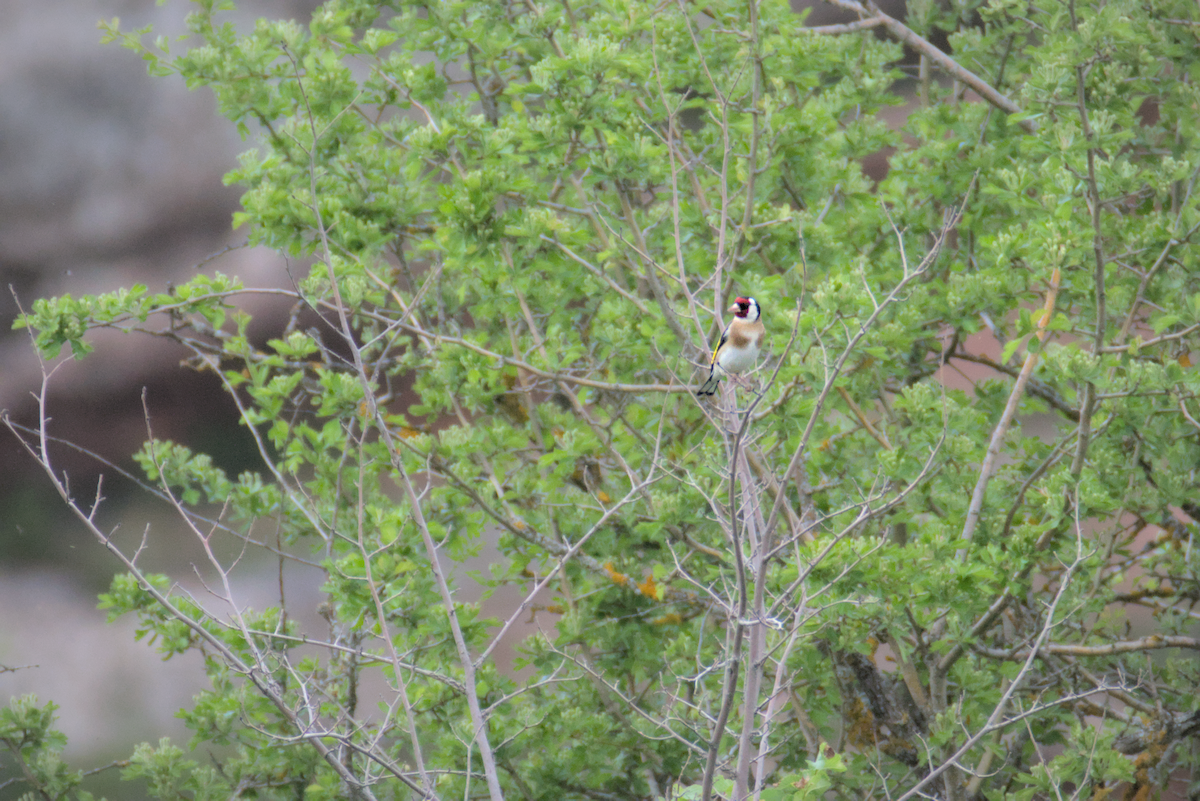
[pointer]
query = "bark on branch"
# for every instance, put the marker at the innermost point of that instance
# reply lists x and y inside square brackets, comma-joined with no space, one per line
[849,27]
[1164,730]
[1152,643]
[872,17]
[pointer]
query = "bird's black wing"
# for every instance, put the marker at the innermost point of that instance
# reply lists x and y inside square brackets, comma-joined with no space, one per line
[724,338]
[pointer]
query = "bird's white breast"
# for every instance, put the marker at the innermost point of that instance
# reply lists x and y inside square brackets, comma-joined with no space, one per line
[738,360]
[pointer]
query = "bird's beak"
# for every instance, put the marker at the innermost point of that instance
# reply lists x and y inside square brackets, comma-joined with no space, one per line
[734,307]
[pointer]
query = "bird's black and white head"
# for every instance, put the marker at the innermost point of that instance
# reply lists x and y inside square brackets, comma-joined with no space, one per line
[746,309]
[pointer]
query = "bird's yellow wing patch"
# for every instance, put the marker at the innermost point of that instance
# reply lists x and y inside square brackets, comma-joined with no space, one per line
[724,338]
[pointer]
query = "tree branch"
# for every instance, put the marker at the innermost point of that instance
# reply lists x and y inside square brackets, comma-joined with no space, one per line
[849,27]
[872,17]
[1152,643]
[1010,411]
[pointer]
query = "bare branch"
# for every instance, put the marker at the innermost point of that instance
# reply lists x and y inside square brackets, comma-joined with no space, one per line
[1010,412]
[848,27]
[870,12]
[1152,643]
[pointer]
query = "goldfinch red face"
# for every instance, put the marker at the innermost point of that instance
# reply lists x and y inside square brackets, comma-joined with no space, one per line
[745,309]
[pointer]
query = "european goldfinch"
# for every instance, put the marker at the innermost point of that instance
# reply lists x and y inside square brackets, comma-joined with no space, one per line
[738,349]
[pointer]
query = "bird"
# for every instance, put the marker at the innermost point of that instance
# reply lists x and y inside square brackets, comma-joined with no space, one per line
[738,349]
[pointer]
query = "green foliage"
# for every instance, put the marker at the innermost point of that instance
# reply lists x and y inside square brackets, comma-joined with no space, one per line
[27,734]
[521,219]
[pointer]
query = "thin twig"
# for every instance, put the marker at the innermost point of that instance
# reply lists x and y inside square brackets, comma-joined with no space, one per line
[862,419]
[995,719]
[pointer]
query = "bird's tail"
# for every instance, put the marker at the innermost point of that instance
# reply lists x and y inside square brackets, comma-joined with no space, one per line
[709,387]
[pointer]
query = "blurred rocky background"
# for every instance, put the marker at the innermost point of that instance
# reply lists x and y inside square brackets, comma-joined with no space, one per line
[107,178]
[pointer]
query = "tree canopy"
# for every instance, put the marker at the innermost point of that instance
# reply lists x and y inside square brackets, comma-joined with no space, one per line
[939,544]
